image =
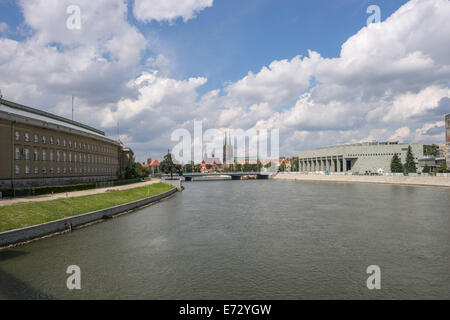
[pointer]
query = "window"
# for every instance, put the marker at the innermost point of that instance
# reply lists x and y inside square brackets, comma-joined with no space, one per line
[70,143]
[76,170]
[64,170]
[75,144]
[36,154]
[44,139]
[70,156]
[27,169]
[44,155]
[44,170]
[52,170]
[27,137]
[36,138]
[70,170]
[36,170]
[64,142]
[17,135]
[17,169]
[26,151]
[58,156]
[51,140]
[58,170]
[64,157]
[57,141]
[51,156]
[17,153]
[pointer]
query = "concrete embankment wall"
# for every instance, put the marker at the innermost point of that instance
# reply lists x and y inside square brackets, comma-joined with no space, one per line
[26,234]
[406,180]
[173,182]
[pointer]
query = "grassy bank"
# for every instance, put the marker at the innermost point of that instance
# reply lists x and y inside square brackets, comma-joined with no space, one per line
[32,213]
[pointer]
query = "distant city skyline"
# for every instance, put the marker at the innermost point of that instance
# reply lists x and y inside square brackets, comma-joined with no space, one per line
[312,69]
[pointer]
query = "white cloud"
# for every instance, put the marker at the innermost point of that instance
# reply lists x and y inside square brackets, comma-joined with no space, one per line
[168,10]
[390,80]
[401,134]
[94,63]
[3,27]
[390,73]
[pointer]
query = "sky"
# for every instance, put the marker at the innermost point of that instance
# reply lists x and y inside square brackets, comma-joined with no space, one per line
[314,70]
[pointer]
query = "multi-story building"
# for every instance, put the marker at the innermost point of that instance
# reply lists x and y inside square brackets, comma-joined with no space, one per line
[447,139]
[39,148]
[358,158]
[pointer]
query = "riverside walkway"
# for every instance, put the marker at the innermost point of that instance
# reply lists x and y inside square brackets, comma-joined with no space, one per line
[73,194]
[400,180]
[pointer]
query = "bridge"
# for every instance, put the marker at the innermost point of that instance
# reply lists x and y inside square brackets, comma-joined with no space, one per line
[189,176]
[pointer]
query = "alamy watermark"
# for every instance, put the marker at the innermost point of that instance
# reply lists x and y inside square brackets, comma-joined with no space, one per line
[74,280]
[73,22]
[228,146]
[374,280]
[376,14]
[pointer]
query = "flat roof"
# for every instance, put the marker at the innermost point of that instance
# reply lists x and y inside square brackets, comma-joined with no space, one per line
[366,144]
[28,112]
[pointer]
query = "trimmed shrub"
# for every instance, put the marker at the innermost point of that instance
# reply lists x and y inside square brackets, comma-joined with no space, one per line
[35,191]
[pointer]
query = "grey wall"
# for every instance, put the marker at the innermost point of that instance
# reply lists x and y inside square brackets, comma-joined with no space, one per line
[21,235]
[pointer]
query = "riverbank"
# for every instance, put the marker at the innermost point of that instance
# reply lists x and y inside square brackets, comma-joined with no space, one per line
[73,194]
[23,215]
[401,180]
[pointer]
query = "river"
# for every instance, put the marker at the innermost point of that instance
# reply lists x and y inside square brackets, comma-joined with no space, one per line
[255,239]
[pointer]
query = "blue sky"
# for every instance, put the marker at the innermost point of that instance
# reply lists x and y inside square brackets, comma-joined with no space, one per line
[312,69]
[233,37]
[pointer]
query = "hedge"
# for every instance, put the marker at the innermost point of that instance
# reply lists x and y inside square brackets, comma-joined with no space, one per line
[35,191]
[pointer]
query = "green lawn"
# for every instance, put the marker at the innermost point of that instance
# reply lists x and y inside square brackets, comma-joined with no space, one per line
[31,213]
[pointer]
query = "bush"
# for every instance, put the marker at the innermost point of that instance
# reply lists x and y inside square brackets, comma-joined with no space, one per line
[35,191]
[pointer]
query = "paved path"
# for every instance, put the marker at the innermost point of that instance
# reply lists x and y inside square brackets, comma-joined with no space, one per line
[402,180]
[76,193]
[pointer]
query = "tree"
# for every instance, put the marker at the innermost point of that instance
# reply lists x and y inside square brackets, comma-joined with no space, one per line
[431,150]
[282,166]
[294,164]
[189,167]
[258,166]
[426,169]
[443,167]
[168,166]
[396,164]
[410,165]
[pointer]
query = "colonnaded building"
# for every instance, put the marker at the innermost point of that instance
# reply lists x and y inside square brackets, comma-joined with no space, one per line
[39,148]
[357,158]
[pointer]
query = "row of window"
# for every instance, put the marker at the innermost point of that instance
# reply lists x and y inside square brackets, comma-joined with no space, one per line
[373,154]
[65,170]
[65,143]
[63,156]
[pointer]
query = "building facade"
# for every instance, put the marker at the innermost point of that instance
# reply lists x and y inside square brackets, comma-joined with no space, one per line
[447,139]
[228,157]
[39,148]
[361,158]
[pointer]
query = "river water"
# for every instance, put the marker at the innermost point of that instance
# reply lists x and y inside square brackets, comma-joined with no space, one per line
[252,239]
